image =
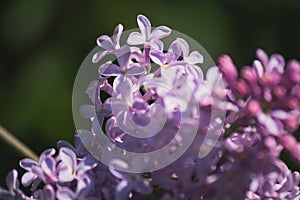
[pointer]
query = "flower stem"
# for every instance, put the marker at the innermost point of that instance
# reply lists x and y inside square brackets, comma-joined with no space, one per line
[17,144]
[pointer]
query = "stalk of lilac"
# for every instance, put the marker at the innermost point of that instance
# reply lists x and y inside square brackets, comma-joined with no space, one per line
[17,144]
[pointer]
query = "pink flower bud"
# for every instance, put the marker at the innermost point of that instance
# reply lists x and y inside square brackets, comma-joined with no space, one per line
[249,75]
[228,69]
[253,107]
[242,87]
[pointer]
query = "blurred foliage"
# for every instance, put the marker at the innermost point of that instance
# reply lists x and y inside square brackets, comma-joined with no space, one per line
[43,42]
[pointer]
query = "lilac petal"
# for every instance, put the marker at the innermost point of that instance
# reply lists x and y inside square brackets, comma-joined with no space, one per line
[175,48]
[144,25]
[65,194]
[123,56]
[123,86]
[35,184]
[293,68]
[63,143]
[117,35]
[157,45]
[85,166]
[269,122]
[136,38]
[136,54]
[109,69]
[262,56]
[27,163]
[48,165]
[83,186]
[68,157]
[91,89]
[249,75]
[136,69]
[169,57]
[292,146]
[144,78]
[157,84]
[118,105]
[169,76]
[158,119]
[276,62]
[47,153]
[181,65]
[139,104]
[28,178]
[39,172]
[87,111]
[125,122]
[280,114]
[158,57]
[66,174]
[105,110]
[195,71]
[213,77]
[99,55]
[11,180]
[259,69]
[296,177]
[184,47]
[228,69]
[194,58]
[48,193]
[105,42]
[160,32]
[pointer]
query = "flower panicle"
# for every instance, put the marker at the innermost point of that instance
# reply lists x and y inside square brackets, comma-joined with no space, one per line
[153,90]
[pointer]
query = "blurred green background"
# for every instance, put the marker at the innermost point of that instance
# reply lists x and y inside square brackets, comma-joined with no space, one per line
[43,42]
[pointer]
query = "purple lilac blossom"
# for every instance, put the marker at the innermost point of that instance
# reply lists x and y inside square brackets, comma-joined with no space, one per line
[262,113]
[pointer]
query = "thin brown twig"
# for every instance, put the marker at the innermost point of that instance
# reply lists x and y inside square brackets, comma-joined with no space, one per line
[17,144]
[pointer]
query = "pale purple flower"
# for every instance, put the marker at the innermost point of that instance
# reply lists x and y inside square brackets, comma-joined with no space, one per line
[191,58]
[170,58]
[143,111]
[146,36]
[125,68]
[110,45]
[150,39]
[44,171]
[70,167]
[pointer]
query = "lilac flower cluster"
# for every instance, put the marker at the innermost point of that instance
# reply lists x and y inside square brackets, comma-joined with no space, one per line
[148,98]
